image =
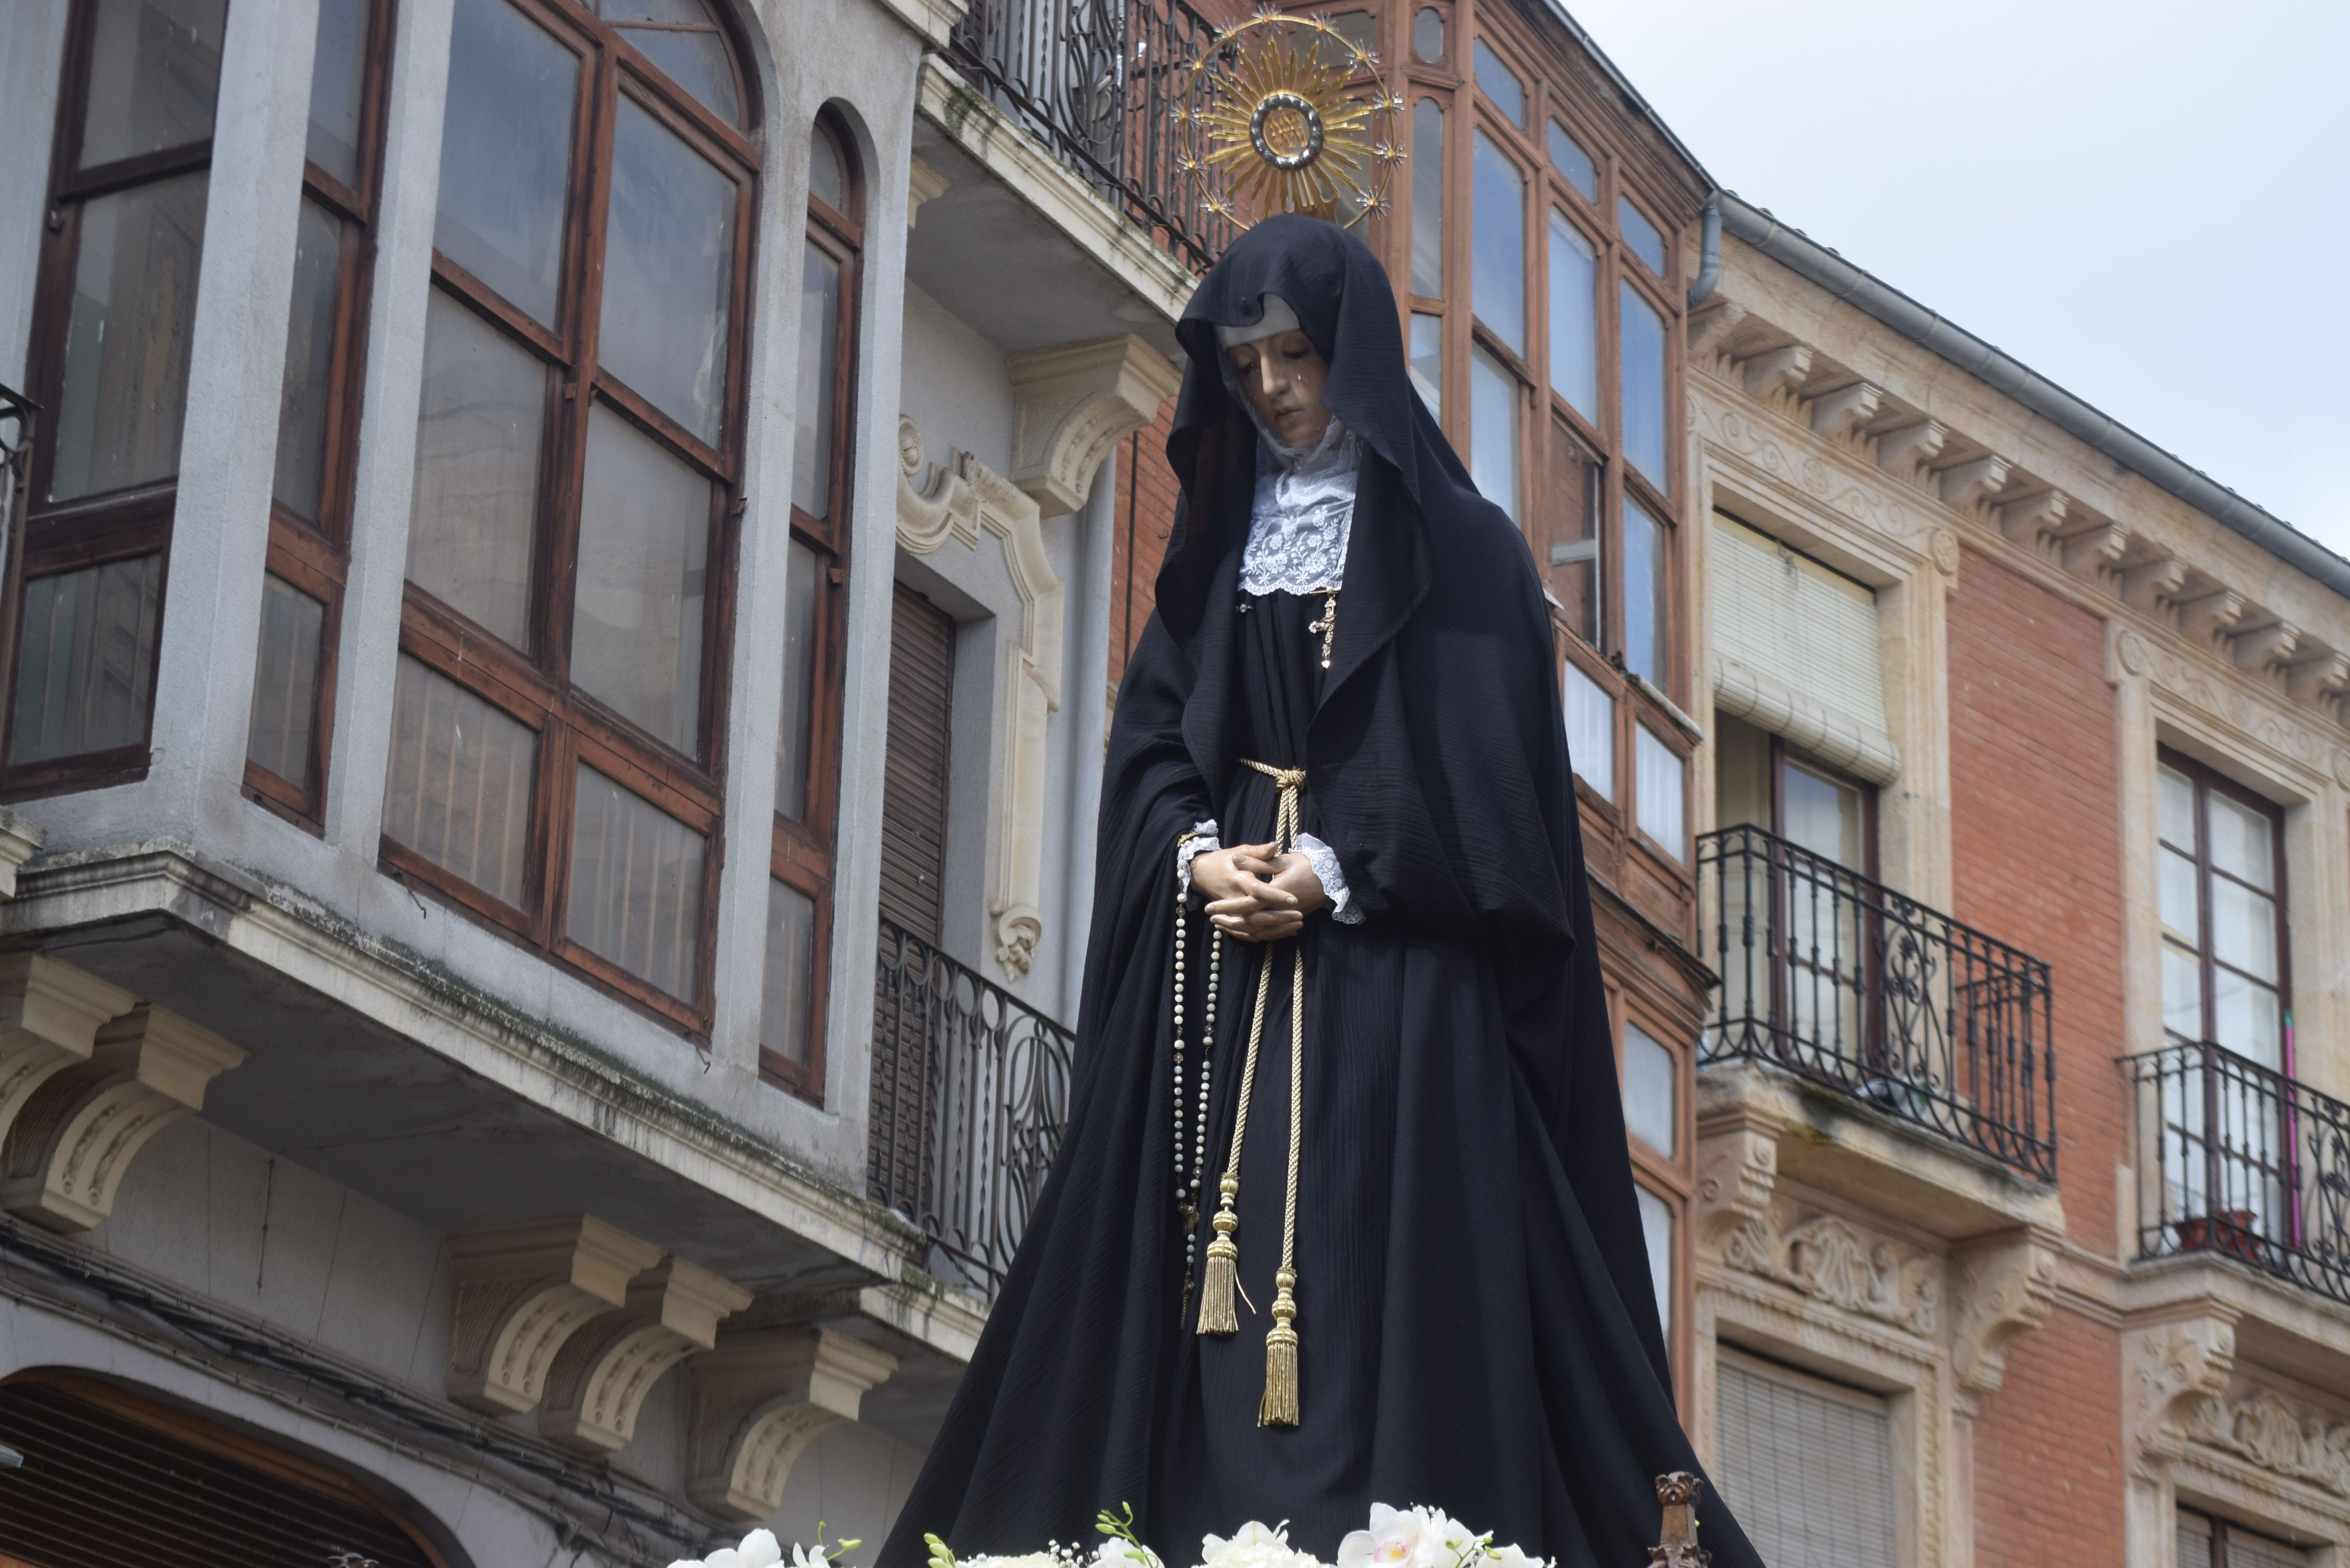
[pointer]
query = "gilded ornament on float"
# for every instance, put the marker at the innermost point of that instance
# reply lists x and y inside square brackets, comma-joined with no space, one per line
[1287,114]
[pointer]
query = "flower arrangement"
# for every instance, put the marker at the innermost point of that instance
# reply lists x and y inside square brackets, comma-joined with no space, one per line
[1396,1537]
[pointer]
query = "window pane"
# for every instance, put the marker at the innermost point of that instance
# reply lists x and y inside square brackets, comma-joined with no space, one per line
[1658,788]
[1573,318]
[681,37]
[85,660]
[827,180]
[310,353]
[794,737]
[1428,199]
[1428,361]
[2174,803]
[470,524]
[1644,385]
[2182,992]
[635,620]
[819,372]
[790,975]
[2243,929]
[2180,917]
[1567,156]
[506,154]
[1656,1228]
[1501,83]
[1641,235]
[668,266]
[1493,431]
[2245,1018]
[1428,35]
[1823,816]
[1590,729]
[1359,28]
[125,389]
[458,788]
[1650,1081]
[635,885]
[1645,616]
[2241,840]
[285,681]
[338,87]
[1498,278]
[1572,552]
[154,74]
[1742,773]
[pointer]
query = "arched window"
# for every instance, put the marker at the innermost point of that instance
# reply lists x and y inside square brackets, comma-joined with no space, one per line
[558,751]
[808,744]
[115,314]
[318,420]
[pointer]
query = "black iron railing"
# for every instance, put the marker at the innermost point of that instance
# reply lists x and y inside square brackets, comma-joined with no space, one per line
[16,459]
[1099,82]
[1843,982]
[2238,1160]
[971,1091]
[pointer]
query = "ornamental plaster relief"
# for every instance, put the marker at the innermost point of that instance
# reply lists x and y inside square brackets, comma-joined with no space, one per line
[2256,719]
[1850,494]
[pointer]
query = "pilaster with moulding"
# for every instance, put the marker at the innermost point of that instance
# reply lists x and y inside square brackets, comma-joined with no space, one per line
[74,1138]
[600,1379]
[1072,403]
[523,1291]
[759,1400]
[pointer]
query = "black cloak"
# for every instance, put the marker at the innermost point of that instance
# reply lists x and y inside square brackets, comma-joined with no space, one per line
[1478,1327]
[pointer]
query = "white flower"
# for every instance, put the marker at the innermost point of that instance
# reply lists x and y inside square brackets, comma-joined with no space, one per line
[1513,1557]
[1116,1552]
[1252,1545]
[1410,1538]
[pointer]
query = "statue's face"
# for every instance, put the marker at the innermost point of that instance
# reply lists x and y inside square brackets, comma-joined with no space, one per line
[1283,378]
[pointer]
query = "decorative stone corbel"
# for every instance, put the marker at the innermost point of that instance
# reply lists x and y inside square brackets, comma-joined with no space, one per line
[1709,329]
[1842,414]
[2001,1288]
[74,1139]
[20,840]
[1905,450]
[1778,369]
[923,185]
[2211,614]
[2088,548]
[1737,1175]
[2028,519]
[522,1291]
[2260,647]
[1964,483]
[759,1399]
[2145,583]
[2173,1371]
[1073,403]
[49,1017]
[600,1378]
[2317,676]
[964,499]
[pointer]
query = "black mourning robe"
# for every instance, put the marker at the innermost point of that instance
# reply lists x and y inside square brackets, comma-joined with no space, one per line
[1477,1325]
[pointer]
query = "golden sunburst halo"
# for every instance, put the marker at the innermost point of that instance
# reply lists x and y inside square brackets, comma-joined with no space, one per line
[1285,113]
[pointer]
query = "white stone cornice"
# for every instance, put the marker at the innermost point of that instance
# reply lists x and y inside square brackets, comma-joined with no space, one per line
[2028,519]
[600,1379]
[1962,485]
[2147,584]
[2210,615]
[1072,403]
[2091,547]
[1905,450]
[2317,676]
[1843,411]
[2260,647]
[522,1291]
[1776,370]
[760,1399]
[934,21]
[75,1137]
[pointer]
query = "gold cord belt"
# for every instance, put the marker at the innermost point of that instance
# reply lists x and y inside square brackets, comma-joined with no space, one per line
[1217,1315]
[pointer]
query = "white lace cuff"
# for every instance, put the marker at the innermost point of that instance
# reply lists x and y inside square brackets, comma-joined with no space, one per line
[1325,861]
[1204,837]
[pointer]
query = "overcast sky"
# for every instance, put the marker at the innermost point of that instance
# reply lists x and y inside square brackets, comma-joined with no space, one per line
[2147,202]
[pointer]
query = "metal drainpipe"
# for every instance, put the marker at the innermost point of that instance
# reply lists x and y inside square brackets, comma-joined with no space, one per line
[1709,254]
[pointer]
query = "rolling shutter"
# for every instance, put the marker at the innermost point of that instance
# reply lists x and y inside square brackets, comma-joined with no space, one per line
[914,786]
[1807,1466]
[1795,651]
[2204,1542]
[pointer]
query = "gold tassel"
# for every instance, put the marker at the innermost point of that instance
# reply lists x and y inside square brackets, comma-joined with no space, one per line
[1280,1406]
[1216,1312]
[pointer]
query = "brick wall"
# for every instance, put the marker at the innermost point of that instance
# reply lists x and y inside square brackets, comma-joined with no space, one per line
[1146,513]
[2036,861]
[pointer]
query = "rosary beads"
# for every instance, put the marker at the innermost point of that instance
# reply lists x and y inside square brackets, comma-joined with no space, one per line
[1187,1179]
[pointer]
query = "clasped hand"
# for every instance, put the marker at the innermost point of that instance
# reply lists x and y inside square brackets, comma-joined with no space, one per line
[1255,895]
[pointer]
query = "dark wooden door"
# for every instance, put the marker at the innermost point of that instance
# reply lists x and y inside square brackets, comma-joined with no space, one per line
[914,788]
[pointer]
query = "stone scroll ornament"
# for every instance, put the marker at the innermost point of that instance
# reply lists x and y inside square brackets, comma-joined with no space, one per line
[1285,113]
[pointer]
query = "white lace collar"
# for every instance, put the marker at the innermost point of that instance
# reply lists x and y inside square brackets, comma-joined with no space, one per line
[1302,514]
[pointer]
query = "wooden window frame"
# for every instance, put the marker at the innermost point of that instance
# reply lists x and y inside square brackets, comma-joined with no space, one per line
[91,530]
[803,855]
[2209,781]
[573,728]
[314,555]
[1672,1178]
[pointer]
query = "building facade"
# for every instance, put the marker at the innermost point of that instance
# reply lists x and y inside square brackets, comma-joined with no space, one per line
[566,568]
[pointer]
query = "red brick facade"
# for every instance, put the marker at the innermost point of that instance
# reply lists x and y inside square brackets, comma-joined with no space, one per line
[1146,513]
[2035,857]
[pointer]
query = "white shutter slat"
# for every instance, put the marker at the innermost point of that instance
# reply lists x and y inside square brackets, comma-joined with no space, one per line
[1795,651]
[1807,1466]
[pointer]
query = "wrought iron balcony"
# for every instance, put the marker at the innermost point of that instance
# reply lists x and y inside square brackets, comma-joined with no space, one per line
[16,458]
[2238,1160]
[1843,982]
[1099,81]
[971,1091]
